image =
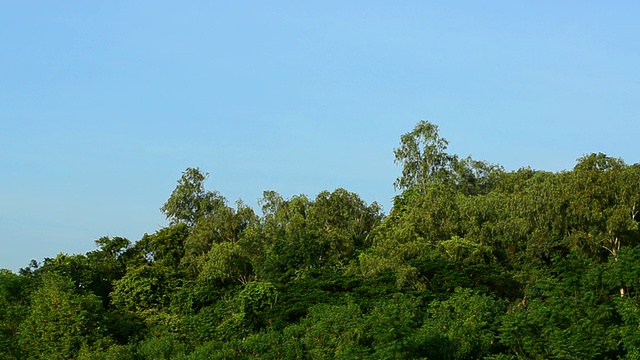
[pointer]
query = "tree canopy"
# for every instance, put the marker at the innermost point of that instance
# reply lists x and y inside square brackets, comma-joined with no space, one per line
[472,261]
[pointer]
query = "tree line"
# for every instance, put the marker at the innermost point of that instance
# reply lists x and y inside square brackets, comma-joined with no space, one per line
[472,261]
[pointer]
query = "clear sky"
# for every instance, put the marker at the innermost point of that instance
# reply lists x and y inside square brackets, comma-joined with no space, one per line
[103,104]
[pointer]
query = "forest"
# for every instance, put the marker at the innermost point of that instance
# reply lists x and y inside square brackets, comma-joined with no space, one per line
[472,261]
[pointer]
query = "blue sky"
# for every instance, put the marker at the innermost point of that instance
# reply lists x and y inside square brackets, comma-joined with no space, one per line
[104,104]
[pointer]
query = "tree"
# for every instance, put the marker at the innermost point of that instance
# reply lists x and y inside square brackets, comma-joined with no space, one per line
[567,314]
[225,225]
[422,155]
[165,247]
[342,222]
[461,327]
[282,242]
[603,208]
[189,201]
[225,261]
[144,288]
[13,308]
[60,320]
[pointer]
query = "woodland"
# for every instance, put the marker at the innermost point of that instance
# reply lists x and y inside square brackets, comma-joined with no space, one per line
[471,262]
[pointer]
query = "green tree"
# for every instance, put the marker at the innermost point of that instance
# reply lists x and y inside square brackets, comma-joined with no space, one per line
[226,261]
[342,222]
[60,320]
[166,247]
[566,313]
[189,200]
[461,327]
[144,288]
[283,243]
[298,233]
[603,207]
[332,332]
[13,310]
[418,222]
[245,312]
[422,156]
[225,225]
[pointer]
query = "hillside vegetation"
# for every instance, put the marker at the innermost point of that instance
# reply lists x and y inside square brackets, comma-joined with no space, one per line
[472,261]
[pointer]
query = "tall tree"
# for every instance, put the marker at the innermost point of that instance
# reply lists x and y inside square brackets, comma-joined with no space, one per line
[422,156]
[189,200]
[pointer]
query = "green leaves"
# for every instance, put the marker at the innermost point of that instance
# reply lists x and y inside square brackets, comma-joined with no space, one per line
[422,156]
[567,313]
[225,225]
[60,320]
[299,233]
[189,201]
[461,327]
[166,247]
[424,161]
[13,310]
[471,262]
[225,261]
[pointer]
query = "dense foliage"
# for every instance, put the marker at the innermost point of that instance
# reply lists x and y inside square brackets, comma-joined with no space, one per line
[472,261]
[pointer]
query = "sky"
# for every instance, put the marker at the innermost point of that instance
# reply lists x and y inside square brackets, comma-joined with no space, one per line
[103,104]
